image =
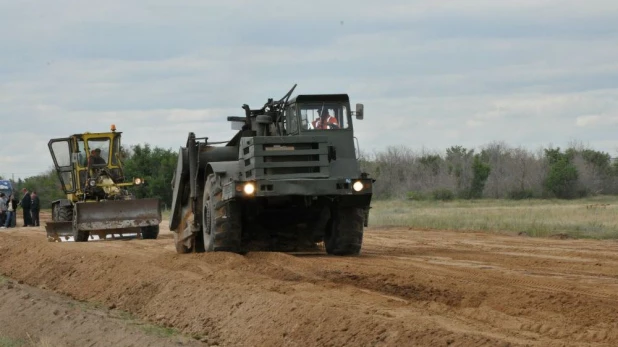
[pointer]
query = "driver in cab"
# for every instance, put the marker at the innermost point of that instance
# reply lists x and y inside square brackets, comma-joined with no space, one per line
[325,121]
[95,157]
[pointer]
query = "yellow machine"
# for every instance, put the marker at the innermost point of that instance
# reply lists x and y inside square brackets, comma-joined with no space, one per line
[97,200]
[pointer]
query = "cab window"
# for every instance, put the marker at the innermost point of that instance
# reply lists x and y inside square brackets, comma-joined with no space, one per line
[324,116]
[291,117]
[102,144]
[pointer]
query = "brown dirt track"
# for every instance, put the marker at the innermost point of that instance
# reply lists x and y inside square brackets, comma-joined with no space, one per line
[409,288]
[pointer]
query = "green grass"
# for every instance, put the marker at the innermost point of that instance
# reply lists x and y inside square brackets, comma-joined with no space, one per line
[147,328]
[9,342]
[165,214]
[158,331]
[583,218]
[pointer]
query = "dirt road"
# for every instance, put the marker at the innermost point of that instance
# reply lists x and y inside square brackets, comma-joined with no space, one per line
[409,288]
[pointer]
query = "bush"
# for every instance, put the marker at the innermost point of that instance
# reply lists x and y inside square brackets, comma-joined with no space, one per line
[521,194]
[416,196]
[562,178]
[443,194]
[481,172]
[465,194]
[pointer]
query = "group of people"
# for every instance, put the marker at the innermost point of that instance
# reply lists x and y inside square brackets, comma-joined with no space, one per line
[30,204]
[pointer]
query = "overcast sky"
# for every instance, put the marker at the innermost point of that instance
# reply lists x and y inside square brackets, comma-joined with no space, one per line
[431,74]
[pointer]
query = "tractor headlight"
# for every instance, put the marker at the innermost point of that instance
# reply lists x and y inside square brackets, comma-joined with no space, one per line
[249,188]
[137,181]
[357,186]
[92,183]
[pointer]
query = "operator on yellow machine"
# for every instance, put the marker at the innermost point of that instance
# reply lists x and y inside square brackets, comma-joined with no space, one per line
[95,157]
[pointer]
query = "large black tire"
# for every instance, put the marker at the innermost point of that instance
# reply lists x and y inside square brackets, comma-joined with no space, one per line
[81,235]
[78,235]
[344,235]
[150,232]
[221,221]
[63,214]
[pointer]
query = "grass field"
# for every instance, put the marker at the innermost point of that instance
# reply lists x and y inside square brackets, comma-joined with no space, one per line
[583,218]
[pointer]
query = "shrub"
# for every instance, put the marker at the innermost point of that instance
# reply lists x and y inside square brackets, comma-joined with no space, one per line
[562,178]
[521,194]
[416,196]
[443,194]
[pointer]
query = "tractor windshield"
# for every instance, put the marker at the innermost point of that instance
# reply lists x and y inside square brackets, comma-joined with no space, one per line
[99,150]
[324,116]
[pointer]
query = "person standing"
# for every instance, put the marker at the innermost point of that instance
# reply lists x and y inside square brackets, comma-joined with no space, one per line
[35,207]
[11,208]
[3,200]
[26,202]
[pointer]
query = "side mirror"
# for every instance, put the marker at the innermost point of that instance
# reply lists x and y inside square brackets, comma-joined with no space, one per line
[359,111]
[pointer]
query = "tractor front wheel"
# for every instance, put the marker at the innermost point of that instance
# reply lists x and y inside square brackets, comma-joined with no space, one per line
[221,221]
[344,235]
[150,232]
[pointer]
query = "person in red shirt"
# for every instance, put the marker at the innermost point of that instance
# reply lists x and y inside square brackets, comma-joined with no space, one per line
[325,121]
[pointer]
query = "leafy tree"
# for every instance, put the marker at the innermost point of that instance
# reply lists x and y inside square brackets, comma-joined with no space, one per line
[156,166]
[458,159]
[480,171]
[600,160]
[46,185]
[432,161]
[562,177]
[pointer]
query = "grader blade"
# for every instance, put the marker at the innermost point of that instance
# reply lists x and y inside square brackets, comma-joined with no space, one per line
[117,214]
[59,231]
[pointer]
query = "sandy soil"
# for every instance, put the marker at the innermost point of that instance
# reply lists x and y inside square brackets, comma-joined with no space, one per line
[409,288]
[41,318]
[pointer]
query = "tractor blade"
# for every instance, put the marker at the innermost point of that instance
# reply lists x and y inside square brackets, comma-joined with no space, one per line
[59,231]
[117,214]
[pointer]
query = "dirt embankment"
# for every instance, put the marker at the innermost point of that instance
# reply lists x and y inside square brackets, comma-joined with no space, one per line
[37,317]
[408,288]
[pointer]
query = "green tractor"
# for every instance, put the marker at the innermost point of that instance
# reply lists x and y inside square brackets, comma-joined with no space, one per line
[288,180]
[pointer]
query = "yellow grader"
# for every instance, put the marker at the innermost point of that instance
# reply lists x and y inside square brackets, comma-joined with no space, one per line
[97,199]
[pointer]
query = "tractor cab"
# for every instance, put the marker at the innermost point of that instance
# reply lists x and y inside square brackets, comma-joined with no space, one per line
[308,113]
[97,201]
[88,164]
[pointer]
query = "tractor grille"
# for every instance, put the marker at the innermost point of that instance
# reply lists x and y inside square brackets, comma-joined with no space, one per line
[285,157]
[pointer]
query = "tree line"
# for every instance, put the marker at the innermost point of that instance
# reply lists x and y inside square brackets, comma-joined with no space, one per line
[154,165]
[496,171]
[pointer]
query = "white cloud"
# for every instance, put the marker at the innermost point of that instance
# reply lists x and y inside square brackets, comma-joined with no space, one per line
[431,73]
[594,120]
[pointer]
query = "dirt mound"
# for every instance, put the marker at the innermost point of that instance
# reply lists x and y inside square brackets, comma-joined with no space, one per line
[408,288]
[36,317]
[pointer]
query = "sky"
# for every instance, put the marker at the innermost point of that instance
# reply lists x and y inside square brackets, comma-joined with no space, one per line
[431,74]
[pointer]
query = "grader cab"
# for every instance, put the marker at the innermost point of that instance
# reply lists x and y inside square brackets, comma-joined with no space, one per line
[97,200]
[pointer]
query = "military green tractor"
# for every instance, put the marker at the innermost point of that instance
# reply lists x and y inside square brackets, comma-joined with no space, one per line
[290,179]
[97,199]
